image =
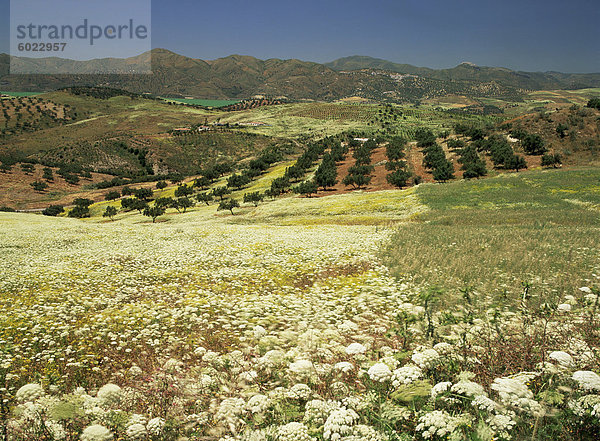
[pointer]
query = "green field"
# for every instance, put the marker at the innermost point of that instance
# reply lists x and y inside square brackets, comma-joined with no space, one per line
[539,227]
[18,94]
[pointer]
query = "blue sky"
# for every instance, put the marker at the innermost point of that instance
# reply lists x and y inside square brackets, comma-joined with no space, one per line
[525,35]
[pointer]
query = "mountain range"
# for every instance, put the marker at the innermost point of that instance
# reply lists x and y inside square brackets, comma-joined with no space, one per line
[239,76]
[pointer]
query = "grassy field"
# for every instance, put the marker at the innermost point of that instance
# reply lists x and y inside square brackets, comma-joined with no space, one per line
[539,227]
[283,320]
[17,94]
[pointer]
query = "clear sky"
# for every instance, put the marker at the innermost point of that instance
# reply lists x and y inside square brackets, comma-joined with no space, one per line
[532,35]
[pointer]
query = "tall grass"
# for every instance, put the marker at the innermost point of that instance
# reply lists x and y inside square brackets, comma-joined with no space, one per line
[541,229]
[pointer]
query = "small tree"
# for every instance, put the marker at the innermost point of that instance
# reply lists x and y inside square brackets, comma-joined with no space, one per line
[27,168]
[201,182]
[183,190]
[306,188]
[516,162]
[551,160]
[53,210]
[444,171]
[533,145]
[398,178]
[228,204]
[561,129]
[182,204]
[110,212]
[238,181]
[48,174]
[221,192]
[112,195]
[326,174]
[594,103]
[39,186]
[161,185]
[154,212]
[255,198]
[204,197]
[143,194]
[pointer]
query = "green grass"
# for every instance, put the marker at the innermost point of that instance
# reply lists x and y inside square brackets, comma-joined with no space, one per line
[18,94]
[538,227]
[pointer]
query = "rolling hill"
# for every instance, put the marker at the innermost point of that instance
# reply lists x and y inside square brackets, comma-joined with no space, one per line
[238,76]
[470,72]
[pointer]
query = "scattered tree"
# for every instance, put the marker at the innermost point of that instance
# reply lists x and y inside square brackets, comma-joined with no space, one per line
[204,197]
[255,198]
[110,212]
[154,212]
[53,210]
[39,186]
[551,160]
[306,188]
[228,204]
[112,195]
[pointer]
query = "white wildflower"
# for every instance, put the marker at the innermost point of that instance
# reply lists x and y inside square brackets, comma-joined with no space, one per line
[339,423]
[587,380]
[406,375]
[29,392]
[96,433]
[355,348]
[380,372]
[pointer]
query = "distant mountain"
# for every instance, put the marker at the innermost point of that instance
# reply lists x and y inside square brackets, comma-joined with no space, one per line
[471,72]
[239,76]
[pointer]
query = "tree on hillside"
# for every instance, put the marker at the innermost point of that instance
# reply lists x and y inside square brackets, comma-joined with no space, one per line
[238,181]
[561,129]
[110,212]
[551,160]
[594,103]
[255,198]
[533,144]
[444,171]
[326,174]
[154,212]
[53,210]
[204,197]
[48,174]
[357,180]
[228,204]
[395,149]
[183,190]
[202,182]
[221,192]
[112,195]
[160,185]
[39,186]
[424,137]
[183,203]
[398,178]
[143,194]
[516,162]
[81,208]
[306,188]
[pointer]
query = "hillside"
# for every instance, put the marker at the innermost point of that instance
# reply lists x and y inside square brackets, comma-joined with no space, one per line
[471,72]
[238,76]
